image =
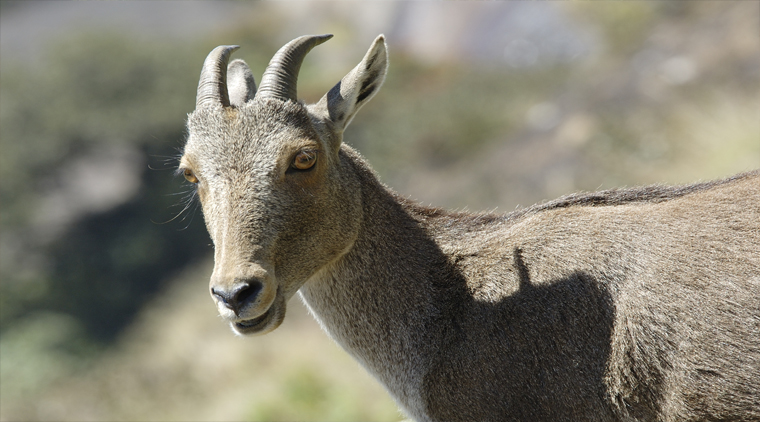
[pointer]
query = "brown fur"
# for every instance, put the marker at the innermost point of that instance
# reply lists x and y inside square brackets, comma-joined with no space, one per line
[633,304]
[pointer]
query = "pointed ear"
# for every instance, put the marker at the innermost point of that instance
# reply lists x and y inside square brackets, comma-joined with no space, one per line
[240,83]
[342,102]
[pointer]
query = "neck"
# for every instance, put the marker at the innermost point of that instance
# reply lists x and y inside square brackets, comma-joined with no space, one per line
[380,301]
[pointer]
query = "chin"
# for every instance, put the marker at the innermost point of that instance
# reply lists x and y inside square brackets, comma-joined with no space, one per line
[261,324]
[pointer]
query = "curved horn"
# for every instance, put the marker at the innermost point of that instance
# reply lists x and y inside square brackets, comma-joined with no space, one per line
[212,87]
[281,75]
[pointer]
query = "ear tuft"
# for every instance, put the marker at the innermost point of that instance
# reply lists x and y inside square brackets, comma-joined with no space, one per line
[342,102]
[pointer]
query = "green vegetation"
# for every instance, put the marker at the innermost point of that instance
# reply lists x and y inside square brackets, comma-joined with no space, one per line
[304,392]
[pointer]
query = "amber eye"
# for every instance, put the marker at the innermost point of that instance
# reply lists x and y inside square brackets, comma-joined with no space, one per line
[305,160]
[190,176]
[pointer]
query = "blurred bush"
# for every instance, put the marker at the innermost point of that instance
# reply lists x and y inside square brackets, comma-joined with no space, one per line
[79,132]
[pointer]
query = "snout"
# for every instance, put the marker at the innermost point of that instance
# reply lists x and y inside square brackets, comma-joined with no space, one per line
[238,296]
[248,300]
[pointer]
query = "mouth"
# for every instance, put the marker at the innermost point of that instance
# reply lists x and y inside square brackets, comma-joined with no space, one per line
[242,324]
[259,325]
[251,323]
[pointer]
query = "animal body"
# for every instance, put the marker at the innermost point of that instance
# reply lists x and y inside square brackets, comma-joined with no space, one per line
[637,304]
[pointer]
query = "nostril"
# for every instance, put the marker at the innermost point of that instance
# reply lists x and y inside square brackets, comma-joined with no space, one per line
[240,295]
[247,293]
[219,294]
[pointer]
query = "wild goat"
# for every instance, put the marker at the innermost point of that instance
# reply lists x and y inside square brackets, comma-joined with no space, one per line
[635,304]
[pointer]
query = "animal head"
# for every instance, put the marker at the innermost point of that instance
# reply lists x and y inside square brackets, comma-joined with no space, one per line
[279,198]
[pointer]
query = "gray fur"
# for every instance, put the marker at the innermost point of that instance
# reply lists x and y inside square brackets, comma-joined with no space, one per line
[622,305]
[240,82]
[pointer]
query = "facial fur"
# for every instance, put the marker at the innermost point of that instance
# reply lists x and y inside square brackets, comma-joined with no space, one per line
[264,215]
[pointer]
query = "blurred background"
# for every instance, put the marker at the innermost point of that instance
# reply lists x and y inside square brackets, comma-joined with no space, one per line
[104,310]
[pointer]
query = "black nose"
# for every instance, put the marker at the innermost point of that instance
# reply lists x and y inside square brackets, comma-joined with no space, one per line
[239,295]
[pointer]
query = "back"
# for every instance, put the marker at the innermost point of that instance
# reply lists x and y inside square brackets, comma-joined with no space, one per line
[635,302]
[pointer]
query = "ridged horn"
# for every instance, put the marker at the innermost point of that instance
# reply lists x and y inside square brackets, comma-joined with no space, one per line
[280,78]
[212,87]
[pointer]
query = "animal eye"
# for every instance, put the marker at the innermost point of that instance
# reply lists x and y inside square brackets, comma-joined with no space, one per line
[305,160]
[190,176]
